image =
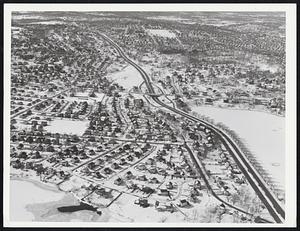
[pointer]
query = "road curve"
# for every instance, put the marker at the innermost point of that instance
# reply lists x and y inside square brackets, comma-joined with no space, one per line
[264,193]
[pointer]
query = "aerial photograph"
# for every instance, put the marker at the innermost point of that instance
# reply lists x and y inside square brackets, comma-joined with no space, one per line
[147,117]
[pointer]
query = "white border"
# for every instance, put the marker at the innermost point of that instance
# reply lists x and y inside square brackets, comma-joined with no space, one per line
[290,170]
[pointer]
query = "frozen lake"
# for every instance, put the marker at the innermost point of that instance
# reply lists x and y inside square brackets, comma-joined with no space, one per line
[23,193]
[63,126]
[262,133]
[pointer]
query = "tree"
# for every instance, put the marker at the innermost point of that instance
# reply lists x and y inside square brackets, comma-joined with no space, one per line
[13,138]
[29,139]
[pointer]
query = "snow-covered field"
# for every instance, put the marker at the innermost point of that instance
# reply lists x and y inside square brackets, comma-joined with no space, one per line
[262,133]
[162,33]
[62,126]
[26,16]
[23,193]
[127,77]
[267,67]
[48,22]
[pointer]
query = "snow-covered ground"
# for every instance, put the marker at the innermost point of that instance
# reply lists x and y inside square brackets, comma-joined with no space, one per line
[262,133]
[23,193]
[127,77]
[62,126]
[162,33]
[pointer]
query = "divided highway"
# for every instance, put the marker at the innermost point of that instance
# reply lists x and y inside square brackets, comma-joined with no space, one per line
[264,193]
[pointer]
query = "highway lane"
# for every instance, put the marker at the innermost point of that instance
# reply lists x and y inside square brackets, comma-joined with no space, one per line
[265,194]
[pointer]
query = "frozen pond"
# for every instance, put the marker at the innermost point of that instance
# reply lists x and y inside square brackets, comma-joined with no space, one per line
[262,133]
[63,126]
[23,193]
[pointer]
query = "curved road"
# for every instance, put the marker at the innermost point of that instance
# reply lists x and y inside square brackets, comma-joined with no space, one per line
[264,193]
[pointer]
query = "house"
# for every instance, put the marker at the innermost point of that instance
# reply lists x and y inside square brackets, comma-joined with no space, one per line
[76,160]
[137,154]
[98,175]
[103,192]
[52,159]
[169,185]
[150,161]
[143,202]
[99,148]
[239,180]
[99,161]
[107,157]
[152,170]
[129,175]
[17,164]
[142,178]
[164,192]
[86,171]
[115,166]
[147,190]
[83,156]
[91,152]
[107,170]
[183,203]
[141,167]
[29,165]
[154,180]
[130,158]
[131,185]
[177,174]
[197,184]
[118,181]
[164,207]
[91,165]
[122,161]
[44,123]
[221,209]
[65,163]
[162,172]
[63,175]
[36,155]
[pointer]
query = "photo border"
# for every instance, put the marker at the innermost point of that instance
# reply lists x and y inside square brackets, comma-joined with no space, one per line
[290,10]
